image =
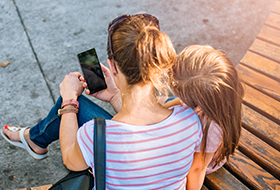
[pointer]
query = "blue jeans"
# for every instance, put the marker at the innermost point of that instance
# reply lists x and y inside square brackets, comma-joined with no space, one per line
[47,130]
[170,98]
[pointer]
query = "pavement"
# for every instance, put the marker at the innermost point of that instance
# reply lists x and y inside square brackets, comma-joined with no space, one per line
[41,39]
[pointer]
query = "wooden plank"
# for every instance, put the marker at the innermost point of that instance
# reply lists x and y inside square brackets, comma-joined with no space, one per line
[273,20]
[204,188]
[262,64]
[262,127]
[276,7]
[260,81]
[223,180]
[266,49]
[270,35]
[251,173]
[44,187]
[262,103]
[260,152]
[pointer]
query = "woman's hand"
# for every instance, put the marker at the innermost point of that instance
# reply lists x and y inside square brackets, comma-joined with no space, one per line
[111,90]
[72,86]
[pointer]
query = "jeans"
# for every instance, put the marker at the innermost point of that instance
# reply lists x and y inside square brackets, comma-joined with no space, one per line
[170,98]
[47,130]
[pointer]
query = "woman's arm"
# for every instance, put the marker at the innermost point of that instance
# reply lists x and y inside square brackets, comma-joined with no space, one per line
[71,88]
[196,175]
[71,153]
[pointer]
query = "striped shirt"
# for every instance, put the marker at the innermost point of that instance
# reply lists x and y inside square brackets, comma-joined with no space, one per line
[157,156]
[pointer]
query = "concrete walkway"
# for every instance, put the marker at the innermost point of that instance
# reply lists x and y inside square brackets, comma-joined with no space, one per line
[42,39]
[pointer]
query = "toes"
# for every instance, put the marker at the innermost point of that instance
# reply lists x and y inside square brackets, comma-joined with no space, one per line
[12,128]
[11,132]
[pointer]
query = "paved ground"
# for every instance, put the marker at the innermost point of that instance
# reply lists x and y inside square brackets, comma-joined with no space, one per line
[42,39]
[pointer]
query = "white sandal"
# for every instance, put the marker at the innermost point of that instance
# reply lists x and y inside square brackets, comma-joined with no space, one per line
[23,144]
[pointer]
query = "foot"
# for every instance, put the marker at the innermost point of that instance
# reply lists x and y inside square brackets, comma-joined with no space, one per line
[14,136]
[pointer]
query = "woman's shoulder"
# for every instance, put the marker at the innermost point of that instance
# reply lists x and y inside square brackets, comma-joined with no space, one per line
[186,116]
[183,111]
[181,114]
[181,108]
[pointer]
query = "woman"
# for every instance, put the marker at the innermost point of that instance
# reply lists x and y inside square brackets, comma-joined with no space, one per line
[148,146]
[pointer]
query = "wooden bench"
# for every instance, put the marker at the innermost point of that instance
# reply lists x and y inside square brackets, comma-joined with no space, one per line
[256,163]
[44,187]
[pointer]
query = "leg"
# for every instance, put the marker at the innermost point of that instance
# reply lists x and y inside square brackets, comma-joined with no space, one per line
[47,130]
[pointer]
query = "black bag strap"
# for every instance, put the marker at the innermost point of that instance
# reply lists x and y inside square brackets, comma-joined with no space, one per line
[99,152]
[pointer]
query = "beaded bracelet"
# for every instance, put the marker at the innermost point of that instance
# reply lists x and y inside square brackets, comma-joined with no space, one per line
[66,110]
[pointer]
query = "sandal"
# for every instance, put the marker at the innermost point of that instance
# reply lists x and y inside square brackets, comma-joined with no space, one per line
[23,144]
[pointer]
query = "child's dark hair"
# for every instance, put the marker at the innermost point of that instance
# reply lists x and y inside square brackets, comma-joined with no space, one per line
[205,77]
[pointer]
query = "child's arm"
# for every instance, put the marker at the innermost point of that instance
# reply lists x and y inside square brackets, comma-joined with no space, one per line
[174,102]
[195,177]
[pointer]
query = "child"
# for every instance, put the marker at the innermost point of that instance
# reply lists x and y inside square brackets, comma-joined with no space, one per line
[207,81]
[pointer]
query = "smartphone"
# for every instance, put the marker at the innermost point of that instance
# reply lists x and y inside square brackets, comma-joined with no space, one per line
[92,71]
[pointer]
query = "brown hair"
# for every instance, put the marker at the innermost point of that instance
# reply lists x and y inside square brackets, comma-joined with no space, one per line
[142,52]
[205,77]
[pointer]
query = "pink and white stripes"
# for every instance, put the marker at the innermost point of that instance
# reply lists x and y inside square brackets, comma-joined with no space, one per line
[155,156]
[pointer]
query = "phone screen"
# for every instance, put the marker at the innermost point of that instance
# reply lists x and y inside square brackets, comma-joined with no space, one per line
[92,71]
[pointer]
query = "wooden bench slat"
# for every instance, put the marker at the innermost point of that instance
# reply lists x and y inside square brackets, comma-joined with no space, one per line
[273,20]
[258,165]
[260,81]
[251,173]
[266,49]
[262,65]
[270,35]
[204,188]
[262,127]
[223,180]
[276,7]
[262,103]
[44,187]
[260,152]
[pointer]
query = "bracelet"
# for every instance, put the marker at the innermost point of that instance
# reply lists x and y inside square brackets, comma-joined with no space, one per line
[71,102]
[63,111]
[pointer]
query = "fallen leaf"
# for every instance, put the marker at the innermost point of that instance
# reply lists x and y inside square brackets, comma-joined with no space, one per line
[5,63]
